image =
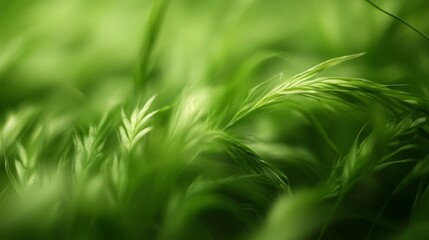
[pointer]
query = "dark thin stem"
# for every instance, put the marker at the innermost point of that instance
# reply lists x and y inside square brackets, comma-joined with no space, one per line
[330,215]
[398,19]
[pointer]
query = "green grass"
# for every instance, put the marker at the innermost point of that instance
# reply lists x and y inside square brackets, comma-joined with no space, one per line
[178,143]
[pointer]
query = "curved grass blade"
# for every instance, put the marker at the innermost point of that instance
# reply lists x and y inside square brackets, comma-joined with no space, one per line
[251,162]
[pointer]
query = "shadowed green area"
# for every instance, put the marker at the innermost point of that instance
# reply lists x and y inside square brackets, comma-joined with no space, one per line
[217,119]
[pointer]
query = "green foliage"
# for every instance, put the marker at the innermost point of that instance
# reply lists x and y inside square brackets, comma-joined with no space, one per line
[180,137]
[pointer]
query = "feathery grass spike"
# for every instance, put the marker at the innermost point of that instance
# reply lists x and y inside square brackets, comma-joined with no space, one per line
[298,84]
[135,127]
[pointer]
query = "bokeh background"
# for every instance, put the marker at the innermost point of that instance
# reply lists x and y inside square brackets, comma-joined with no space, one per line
[89,46]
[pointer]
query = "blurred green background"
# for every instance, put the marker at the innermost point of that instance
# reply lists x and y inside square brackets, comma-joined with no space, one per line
[91,46]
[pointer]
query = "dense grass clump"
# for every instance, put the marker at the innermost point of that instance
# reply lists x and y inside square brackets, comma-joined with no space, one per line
[165,143]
